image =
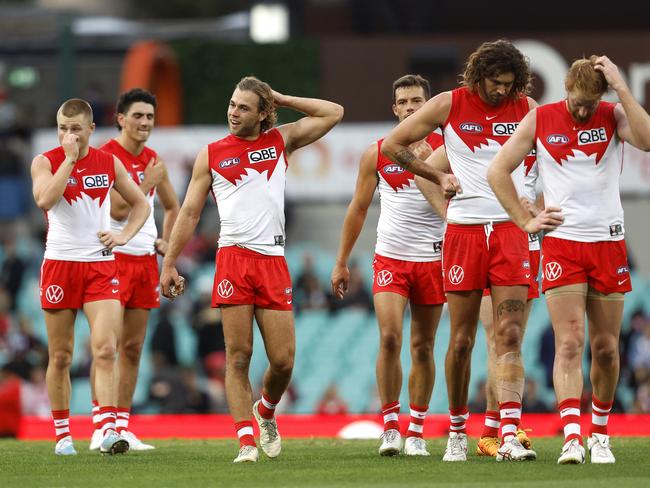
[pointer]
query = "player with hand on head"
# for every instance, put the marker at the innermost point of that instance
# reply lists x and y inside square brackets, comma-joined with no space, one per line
[585,269]
[245,172]
[72,184]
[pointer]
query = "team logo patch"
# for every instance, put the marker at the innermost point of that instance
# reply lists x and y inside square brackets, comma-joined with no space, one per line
[456,274]
[225,289]
[289,293]
[227,163]
[552,271]
[72,181]
[591,136]
[504,128]
[261,155]
[54,294]
[115,282]
[95,181]
[526,264]
[471,127]
[622,270]
[384,277]
[557,139]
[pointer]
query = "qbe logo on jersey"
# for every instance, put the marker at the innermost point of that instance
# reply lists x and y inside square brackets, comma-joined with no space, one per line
[591,136]
[456,274]
[91,182]
[54,294]
[504,128]
[261,155]
[225,289]
[552,270]
[384,278]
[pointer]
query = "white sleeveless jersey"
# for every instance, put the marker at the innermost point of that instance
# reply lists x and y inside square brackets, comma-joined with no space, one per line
[248,182]
[530,182]
[580,167]
[143,243]
[408,228]
[83,210]
[474,132]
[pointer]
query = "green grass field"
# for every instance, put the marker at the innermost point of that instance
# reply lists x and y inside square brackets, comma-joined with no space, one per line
[310,463]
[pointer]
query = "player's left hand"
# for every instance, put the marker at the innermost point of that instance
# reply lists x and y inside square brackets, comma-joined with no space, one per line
[278,99]
[161,246]
[530,206]
[548,219]
[111,239]
[610,71]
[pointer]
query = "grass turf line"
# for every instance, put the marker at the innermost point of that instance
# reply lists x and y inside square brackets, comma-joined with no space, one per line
[311,463]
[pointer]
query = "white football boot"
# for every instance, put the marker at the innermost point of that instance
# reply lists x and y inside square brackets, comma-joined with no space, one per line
[572,453]
[415,446]
[391,443]
[270,439]
[247,454]
[513,450]
[599,451]
[456,448]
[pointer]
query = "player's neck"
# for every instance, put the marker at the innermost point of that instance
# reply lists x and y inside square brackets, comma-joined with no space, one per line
[134,147]
[83,152]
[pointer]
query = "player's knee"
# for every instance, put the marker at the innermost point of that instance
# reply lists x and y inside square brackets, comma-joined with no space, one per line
[510,336]
[239,359]
[282,365]
[61,360]
[462,345]
[132,350]
[605,354]
[422,352]
[105,352]
[569,349]
[390,343]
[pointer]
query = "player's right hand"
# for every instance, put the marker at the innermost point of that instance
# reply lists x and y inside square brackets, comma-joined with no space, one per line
[548,219]
[450,186]
[169,276]
[340,280]
[70,145]
[154,172]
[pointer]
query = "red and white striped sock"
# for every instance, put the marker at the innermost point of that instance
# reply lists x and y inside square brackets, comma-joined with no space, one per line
[390,412]
[122,421]
[457,419]
[107,417]
[96,423]
[266,408]
[491,425]
[416,423]
[570,415]
[510,413]
[61,420]
[245,433]
[599,416]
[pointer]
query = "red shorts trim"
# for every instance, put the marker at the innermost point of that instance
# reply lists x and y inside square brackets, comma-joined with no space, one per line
[420,282]
[246,277]
[602,265]
[533,290]
[139,282]
[475,257]
[70,284]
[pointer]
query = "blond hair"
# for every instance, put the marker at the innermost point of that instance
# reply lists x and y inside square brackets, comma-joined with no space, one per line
[582,76]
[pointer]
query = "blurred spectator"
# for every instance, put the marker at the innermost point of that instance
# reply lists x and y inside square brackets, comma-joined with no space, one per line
[82,368]
[639,356]
[33,394]
[642,399]
[547,353]
[215,368]
[7,111]
[479,399]
[12,272]
[308,292]
[357,295]
[10,412]
[531,402]
[628,338]
[206,322]
[163,338]
[331,403]
[102,110]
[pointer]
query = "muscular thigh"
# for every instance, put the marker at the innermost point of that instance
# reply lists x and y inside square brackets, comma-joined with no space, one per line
[278,331]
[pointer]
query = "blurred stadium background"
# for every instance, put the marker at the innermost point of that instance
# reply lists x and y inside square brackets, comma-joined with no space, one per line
[190,54]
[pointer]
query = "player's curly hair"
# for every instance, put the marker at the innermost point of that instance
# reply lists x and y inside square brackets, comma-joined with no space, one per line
[265,95]
[496,58]
[130,97]
[582,76]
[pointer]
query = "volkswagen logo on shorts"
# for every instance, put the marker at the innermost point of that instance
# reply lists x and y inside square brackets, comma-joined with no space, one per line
[225,289]
[54,293]
[552,271]
[384,277]
[456,274]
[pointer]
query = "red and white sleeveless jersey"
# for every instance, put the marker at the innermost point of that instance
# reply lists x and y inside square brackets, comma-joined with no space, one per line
[531,173]
[580,167]
[474,132]
[83,210]
[143,242]
[408,227]
[248,182]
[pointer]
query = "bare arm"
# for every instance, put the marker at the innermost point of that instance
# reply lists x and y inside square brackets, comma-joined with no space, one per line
[322,115]
[415,128]
[153,175]
[509,157]
[433,192]
[169,200]
[47,187]
[355,218]
[188,218]
[632,121]
[129,191]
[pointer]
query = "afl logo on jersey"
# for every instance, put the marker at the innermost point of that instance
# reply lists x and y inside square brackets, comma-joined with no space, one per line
[266,154]
[591,136]
[140,176]
[393,169]
[72,181]
[227,163]
[557,139]
[471,127]
[95,181]
[504,128]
